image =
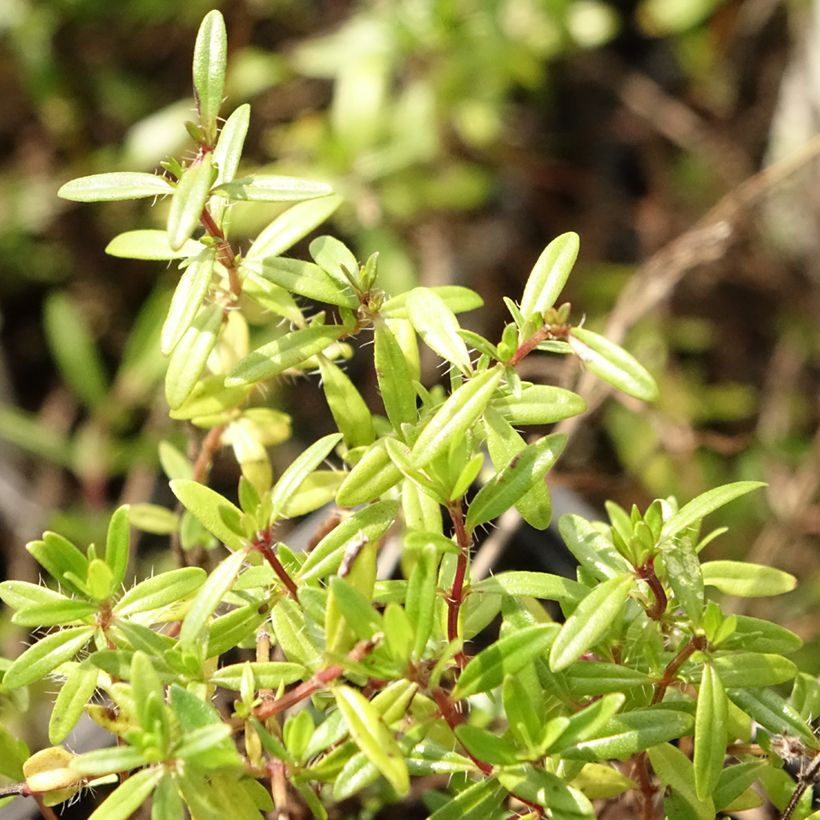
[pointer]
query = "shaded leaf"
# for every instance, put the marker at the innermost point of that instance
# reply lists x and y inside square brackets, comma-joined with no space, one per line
[676,771]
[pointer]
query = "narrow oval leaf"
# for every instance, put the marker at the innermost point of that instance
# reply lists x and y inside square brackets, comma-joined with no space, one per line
[209,597]
[613,364]
[46,655]
[228,150]
[283,353]
[117,545]
[458,299]
[129,795]
[191,355]
[675,770]
[267,188]
[758,635]
[549,275]
[438,327]
[371,735]
[698,508]
[369,523]
[296,473]
[477,802]
[772,712]
[591,547]
[591,620]
[508,655]
[218,515]
[75,693]
[421,596]
[455,417]
[747,580]
[540,404]
[210,61]
[508,486]
[59,556]
[291,226]
[711,718]
[395,378]
[161,591]
[288,622]
[308,280]
[542,585]
[119,185]
[22,594]
[632,732]
[547,790]
[267,675]
[350,412]
[188,201]
[336,258]
[753,669]
[371,477]
[683,572]
[54,613]
[150,244]
[589,678]
[188,296]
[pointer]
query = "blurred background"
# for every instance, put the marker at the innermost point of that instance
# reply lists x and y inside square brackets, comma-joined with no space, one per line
[674,135]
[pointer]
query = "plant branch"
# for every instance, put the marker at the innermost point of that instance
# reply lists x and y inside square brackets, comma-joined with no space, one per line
[647,573]
[262,544]
[224,252]
[456,596]
[546,332]
[319,681]
[695,644]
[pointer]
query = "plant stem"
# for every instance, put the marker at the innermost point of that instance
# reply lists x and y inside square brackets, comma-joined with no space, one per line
[262,544]
[456,595]
[319,681]
[541,335]
[647,573]
[647,790]
[696,643]
[224,252]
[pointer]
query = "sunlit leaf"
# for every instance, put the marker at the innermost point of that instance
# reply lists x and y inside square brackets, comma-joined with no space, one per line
[747,580]
[118,185]
[711,718]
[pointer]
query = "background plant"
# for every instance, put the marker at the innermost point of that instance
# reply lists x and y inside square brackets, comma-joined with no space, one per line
[387,664]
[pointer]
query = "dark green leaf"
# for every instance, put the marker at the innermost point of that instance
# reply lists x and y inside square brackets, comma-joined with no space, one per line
[676,771]
[684,575]
[772,712]
[586,678]
[477,802]
[547,790]
[734,780]
[711,718]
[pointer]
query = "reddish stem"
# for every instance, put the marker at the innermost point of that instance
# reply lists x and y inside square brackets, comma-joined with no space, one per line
[697,643]
[456,596]
[319,681]
[262,544]
[647,792]
[647,573]
[541,335]
[210,444]
[224,251]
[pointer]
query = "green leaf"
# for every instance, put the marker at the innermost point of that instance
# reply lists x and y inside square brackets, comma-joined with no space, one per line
[371,736]
[73,348]
[540,404]
[54,613]
[108,761]
[59,556]
[288,622]
[145,684]
[350,412]
[119,185]
[153,518]
[758,635]
[46,655]
[218,515]
[456,416]
[187,299]
[129,795]
[589,678]
[28,432]
[335,258]
[22,594]
[160,591]
[117,545]
[698,508]
[283,353]
[753,669]
[228,630]
[591,547]
[508,486]
[150,244]
[188,201]
[547,790]
[477,802]
[684,575]
[318,489]
[675,770]
[202,740]
[549,275]
[308,280]
[772,712]
[613,364]
[394,376]
[209,597]
[166,804]
[747,580]
[191,354]
[369,523]
[228,150]
[271,297]
[587,722]
[267,675]
[298,471]
[267,188]
[632,732]
[13,754]
[711,718]
[291,226]
[421,596]
[458,299]
[486,745]
[75,693]
[734,780]
[591,621]
[541,585]
[371,477]
[508,655]
[438,327]
[210,61]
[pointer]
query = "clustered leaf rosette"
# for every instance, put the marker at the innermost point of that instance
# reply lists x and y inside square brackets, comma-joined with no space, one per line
[550,715]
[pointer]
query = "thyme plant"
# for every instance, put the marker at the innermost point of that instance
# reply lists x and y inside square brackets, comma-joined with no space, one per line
[289,681]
